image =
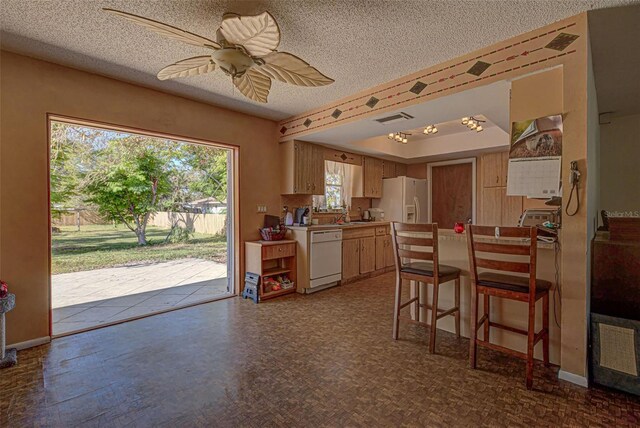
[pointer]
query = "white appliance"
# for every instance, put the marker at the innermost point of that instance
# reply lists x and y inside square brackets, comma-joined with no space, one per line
[325,266]
[403,199]
[376,214]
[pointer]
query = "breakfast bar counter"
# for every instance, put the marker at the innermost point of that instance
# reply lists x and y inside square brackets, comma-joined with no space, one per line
[452,249]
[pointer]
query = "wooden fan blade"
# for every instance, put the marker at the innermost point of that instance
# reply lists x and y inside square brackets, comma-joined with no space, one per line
[167,30]
[188,67]
[259,34]
[253,85]
[289,68]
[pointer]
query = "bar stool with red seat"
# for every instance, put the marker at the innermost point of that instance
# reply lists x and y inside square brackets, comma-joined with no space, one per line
[419,237]
[520,242]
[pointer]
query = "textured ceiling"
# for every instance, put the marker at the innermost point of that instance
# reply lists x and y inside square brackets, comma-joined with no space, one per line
[358,43]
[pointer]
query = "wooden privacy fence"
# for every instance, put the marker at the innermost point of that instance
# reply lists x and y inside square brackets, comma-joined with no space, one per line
[211,224]
[82,218]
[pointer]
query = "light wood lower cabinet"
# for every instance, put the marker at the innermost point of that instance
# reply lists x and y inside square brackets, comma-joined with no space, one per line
[364,255]
[367,254]
[350,258]
[384,252]
[389,256]
[381,244]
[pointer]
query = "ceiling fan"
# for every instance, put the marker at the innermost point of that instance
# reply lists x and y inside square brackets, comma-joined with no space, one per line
[245,49]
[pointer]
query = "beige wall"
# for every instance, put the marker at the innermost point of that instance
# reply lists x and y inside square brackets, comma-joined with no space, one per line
[619,173]
[30,90]
[564,90]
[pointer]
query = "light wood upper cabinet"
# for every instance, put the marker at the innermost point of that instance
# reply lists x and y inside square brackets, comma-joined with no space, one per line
[350,258]
[496,207]
[401,169]
[492,170]
[367,254]
[505,168]
[302,168]
[317,170]
[388,169]
[373,172]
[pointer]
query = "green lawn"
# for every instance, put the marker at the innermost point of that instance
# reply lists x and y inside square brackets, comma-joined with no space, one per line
[98,246]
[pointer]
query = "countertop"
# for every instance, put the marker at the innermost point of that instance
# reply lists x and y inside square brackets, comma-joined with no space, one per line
[449,234]
[443,234]
[356,225]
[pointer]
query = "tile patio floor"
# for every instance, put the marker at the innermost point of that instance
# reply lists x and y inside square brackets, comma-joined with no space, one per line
[82,300]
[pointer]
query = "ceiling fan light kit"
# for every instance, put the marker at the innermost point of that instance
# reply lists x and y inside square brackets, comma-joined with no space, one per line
[245,50]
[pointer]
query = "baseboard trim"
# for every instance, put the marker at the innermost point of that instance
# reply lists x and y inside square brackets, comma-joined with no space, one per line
[30,343]
[573,378]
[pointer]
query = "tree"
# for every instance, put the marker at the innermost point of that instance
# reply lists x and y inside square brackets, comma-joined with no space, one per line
[70,155]
[209,167]
[127,186]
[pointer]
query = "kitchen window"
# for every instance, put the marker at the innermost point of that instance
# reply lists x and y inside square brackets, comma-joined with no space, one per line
[341,183]
[333,189]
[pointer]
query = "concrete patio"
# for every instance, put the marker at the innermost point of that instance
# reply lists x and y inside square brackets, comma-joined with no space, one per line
[82,300]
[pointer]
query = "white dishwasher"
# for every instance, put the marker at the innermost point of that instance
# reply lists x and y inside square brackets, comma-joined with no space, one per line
[325,266]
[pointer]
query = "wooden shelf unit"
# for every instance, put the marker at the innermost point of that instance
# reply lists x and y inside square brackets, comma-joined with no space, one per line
[271,258]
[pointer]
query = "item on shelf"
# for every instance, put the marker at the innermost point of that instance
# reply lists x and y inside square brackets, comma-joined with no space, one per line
[276,233]
[269,284]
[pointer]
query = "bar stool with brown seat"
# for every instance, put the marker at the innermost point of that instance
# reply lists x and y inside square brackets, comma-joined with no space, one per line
[426,269]
[520,243]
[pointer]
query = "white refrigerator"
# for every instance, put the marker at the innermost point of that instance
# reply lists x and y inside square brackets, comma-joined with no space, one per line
[403,199]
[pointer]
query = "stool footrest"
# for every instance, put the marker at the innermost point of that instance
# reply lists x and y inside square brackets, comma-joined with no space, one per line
[447,312]
[540,335]
[485,318]
[408,302]
[508,328]
[495,347]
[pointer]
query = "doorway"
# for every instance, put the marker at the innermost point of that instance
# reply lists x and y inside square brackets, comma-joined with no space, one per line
[140,224]
[452,194]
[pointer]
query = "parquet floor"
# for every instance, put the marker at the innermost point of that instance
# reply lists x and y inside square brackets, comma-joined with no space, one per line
[320,360]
